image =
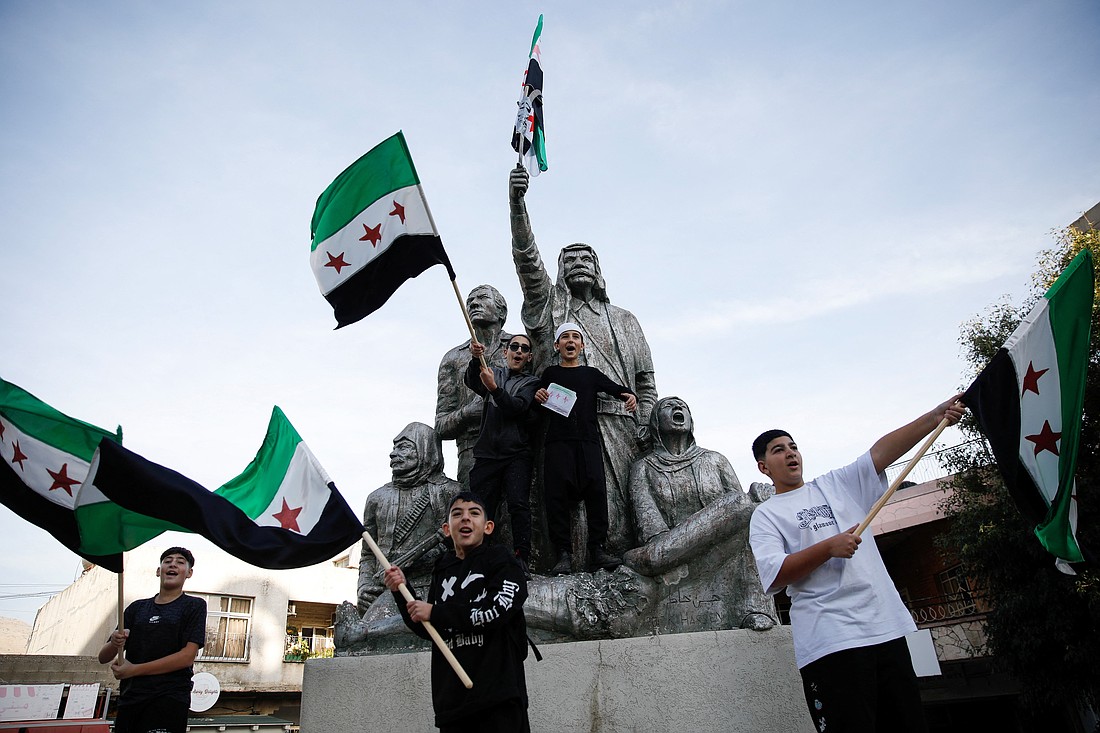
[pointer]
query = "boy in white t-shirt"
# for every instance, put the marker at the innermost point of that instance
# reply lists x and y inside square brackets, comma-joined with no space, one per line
[848,620]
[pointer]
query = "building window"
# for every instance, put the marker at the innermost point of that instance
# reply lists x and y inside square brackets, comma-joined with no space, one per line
[228,628]
[957,594]
[309,630]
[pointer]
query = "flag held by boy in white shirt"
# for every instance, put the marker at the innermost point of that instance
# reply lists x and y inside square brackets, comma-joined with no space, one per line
[1029,402]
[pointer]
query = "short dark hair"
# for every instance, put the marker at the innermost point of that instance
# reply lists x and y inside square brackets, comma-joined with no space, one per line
[760,445]
[467,496]
[515,336]
[179,551]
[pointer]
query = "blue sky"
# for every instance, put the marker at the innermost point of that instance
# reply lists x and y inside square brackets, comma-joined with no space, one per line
[801,202]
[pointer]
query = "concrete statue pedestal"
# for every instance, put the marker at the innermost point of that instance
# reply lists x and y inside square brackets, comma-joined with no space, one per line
[730,681]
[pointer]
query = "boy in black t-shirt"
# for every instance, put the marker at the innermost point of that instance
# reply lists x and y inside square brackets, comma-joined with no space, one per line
[162,636]
[573,459]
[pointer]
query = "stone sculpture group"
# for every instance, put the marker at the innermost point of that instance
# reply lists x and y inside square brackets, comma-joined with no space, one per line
[677,512]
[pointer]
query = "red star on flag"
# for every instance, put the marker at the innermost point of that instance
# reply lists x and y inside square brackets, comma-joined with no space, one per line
[19,456]
[1031,379]
[336,262]
[61,479]
[399,211]
[1,430]
[374,236]
[288,518]
[1046,439]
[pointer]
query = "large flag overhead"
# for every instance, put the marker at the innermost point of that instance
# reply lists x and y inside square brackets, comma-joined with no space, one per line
[1029,401]
[44,457]
[529,135]
[282,512]
[107,528]
[372,231]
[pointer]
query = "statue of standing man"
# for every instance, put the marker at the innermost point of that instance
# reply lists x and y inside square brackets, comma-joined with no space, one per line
[614,344]
[457,407]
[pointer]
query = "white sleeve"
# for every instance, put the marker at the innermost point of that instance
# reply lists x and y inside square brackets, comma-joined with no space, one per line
[768,548]
[871,484]
[859,480]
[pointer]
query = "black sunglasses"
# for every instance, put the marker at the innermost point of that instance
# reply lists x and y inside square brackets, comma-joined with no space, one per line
[517,346]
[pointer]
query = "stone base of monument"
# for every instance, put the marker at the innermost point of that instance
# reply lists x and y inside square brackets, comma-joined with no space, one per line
[728,681]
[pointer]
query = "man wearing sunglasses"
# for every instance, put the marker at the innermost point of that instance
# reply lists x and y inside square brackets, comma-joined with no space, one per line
[502,453]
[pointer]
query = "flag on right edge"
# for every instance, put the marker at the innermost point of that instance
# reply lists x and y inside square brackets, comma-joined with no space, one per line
[1029,401]
[372,231]
[529,136]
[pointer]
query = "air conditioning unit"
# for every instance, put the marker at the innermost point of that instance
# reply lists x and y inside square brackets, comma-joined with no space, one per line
[291,610]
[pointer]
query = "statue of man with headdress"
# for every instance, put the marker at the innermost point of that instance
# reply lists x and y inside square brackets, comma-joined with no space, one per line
[405,517]
[692,520]
[613,343]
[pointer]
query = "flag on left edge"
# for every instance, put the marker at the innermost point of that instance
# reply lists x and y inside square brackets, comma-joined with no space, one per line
[44,457]
[529,135]
[1029,402]
[282,512]
[372,231]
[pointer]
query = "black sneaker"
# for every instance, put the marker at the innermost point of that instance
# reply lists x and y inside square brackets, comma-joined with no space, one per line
[600,559]
[564,565]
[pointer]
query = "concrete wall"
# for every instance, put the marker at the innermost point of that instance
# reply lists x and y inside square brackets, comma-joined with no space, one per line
[730,681]
[21,669]
[78,620]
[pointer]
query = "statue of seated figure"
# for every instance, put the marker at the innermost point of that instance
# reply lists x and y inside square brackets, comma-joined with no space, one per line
[692,523]
[693,569]
[405,518]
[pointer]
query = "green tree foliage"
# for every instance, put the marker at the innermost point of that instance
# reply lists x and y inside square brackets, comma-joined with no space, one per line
[1043,626]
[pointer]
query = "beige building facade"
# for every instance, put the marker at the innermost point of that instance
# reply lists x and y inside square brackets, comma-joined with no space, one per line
[261,624]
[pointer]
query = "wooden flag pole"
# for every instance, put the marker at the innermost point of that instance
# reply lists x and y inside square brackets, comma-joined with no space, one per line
[440,644]
[121,607]
[466,315]
[901,477]
[454,283]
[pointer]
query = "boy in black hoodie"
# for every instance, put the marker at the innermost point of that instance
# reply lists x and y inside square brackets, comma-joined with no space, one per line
[476,603]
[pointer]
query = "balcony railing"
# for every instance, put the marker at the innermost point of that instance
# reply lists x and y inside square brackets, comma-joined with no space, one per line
[932,465]
[938,609]
[301,648]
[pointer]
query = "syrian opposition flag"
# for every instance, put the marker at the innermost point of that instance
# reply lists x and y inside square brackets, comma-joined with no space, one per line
[529,135]
[107,528]
[1029,402]
[372,231]
[44,458]
[282,512]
